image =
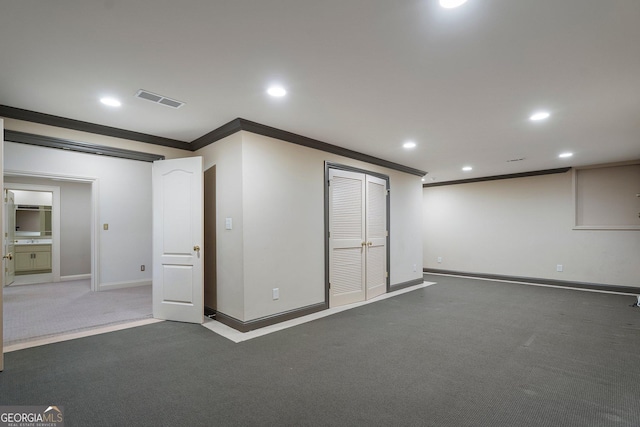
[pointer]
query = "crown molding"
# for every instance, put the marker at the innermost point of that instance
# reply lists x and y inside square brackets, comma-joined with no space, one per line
[498,177]
[217,134]
[63,122]
[81,147]
[283,135]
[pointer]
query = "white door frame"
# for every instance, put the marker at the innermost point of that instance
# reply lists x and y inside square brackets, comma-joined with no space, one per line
[95,247]
[8,244]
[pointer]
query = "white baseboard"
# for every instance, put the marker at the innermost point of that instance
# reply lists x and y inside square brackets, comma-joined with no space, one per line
[75,277]
[121,285]
[33,279]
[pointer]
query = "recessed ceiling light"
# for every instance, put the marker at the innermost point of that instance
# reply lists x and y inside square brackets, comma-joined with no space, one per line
[409,145]
[111,102]
[467,168]
[565,155]
[450,4]
[277,91]
[540,115]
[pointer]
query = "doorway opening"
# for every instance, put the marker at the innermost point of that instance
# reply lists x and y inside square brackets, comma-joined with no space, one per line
[210,266]
[73,250]
[32,233]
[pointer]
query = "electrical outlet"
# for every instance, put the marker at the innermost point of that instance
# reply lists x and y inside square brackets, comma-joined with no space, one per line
[142,267]
[439,259]
[415,268]
[559,268]
[276,293]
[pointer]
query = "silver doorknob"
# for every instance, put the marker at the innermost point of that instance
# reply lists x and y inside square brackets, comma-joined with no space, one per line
[196,248]
[8,256]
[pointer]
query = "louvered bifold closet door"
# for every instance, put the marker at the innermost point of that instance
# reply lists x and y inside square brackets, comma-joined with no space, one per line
[376,236]
[346,237]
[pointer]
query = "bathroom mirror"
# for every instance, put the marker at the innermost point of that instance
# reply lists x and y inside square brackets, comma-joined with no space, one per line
[33,221]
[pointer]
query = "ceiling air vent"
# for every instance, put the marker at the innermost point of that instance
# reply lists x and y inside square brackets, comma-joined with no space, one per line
[158,99]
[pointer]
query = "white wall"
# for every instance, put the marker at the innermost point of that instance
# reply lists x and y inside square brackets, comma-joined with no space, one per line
[281,205]
[75,223]
[75,229]
[523,227]
[284,225]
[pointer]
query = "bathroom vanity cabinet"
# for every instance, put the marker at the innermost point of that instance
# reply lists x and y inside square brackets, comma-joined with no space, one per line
[33,258]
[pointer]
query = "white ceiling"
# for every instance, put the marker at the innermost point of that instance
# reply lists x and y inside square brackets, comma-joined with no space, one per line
[362,74]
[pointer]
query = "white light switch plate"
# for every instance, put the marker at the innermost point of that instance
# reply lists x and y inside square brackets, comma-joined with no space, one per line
[228,223]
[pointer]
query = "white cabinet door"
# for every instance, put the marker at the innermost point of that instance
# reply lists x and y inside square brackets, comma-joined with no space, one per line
[42,260]
[178,233]
[23,261]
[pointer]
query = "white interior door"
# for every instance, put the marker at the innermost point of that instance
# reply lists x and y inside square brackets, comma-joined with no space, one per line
[178,233]
[376,236]
[9,238]
[346,237]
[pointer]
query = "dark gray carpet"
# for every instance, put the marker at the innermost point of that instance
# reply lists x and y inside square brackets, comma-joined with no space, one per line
[462,352]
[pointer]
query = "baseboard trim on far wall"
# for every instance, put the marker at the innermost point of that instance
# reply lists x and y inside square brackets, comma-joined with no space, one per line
[75,277]
[250,325]
[403,285]
[121,285]
[563,283]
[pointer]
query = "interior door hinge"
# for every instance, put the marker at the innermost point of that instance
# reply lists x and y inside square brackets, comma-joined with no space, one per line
[386,233]
[329,234]
[386,192]
[386,274]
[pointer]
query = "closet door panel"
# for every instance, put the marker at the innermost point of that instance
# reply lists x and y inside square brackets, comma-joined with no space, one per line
[346,237]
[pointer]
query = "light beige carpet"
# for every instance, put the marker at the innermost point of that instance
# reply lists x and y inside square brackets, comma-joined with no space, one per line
[43,310]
